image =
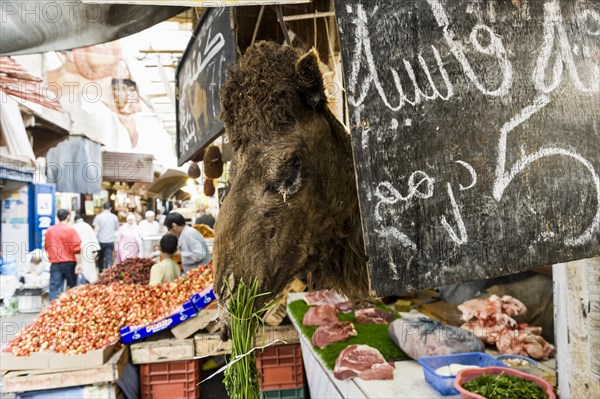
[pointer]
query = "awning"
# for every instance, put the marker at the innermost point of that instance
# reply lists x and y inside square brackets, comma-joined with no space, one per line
[127,167]
[48,127]
[15,146]
[169,183]
[16,174]
[32,26]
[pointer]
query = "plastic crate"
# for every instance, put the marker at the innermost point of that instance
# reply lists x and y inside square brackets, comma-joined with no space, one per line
[297,393]
[170,380]
[280,367]
[445,384]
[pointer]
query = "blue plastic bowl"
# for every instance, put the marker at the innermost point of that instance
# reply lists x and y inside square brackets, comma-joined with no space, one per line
[445,384]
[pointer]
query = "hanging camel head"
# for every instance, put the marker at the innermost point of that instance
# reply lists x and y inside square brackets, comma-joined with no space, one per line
[292,207]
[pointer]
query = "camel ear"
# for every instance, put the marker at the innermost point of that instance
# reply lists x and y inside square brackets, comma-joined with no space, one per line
[310,81]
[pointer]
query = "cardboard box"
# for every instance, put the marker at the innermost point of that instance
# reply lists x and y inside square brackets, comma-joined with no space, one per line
[39,380]
[53,360]
[203,298]
[200,322]
[131,334]
[164,350]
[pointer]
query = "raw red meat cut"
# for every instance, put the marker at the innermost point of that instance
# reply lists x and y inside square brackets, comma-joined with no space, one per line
[323,297]
[491,320]
[487,333]
[372,316]
[349,306]
[484,308]
[525,341]
[345,307]
[335,332]
[320,315]
[362,361]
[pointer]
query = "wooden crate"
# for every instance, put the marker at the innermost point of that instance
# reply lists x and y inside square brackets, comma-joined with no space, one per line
[211,344]
[163,350]
[38,380]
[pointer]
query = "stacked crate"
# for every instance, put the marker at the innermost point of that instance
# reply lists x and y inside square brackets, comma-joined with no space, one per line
[179,379]
[281,372]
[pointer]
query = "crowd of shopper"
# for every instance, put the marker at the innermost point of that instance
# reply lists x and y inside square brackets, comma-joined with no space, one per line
[78,252]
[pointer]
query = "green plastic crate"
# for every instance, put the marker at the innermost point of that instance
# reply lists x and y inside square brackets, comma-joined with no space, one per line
[297,393]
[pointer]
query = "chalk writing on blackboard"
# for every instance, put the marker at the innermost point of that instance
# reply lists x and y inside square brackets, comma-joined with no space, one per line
[447,70]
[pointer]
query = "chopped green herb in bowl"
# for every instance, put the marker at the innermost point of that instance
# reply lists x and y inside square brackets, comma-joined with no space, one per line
[501,383]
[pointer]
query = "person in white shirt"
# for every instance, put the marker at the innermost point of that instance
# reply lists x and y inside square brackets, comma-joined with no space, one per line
[147,228]
[192,247]
[89,247]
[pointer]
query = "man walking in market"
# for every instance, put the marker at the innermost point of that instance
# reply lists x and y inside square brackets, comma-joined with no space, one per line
[62,243]
[191,244]
[106,225]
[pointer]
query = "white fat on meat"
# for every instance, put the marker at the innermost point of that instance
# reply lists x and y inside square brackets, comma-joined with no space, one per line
[362,361]
[320,315]
[492,307]
[335,332]
[323,297]
[372,316]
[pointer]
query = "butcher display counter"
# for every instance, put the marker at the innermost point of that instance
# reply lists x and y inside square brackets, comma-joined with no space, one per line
[408,381]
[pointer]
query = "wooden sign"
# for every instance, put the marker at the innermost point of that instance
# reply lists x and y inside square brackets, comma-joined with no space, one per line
[200,74]
[476,135]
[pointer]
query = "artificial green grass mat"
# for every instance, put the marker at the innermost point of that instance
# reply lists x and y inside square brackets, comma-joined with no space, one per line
[374,335]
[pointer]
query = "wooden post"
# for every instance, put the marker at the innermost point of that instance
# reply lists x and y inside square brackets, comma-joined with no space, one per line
[577,327]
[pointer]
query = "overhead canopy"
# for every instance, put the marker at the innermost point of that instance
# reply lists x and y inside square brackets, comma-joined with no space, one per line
[32,26]
[169,183]
[14,143]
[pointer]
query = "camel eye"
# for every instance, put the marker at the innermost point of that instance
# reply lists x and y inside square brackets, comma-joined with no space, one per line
[289,179]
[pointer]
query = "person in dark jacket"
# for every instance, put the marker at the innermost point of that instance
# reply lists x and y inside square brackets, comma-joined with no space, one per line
[206,218]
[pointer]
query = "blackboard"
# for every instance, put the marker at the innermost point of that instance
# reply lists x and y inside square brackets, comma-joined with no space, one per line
[199,77]
[476,135]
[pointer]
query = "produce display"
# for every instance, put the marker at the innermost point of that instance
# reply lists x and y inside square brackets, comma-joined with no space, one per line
[502,386]
[130,271]
[374,335]
[421,337]
[491,319]
[89,317]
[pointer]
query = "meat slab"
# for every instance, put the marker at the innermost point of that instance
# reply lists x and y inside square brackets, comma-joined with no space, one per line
[349,306]
[335,332]
[372,316]
[323,297]
[362,361]
[320,316]
[484,308]
[491,320]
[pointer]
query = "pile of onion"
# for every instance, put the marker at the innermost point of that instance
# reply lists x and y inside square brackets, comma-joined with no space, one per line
[89,317]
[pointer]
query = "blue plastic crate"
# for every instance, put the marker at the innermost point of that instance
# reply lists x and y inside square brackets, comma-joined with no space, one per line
[444,384]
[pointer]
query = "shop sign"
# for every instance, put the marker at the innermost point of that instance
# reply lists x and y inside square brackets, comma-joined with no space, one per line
[476,135]
[200,74]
